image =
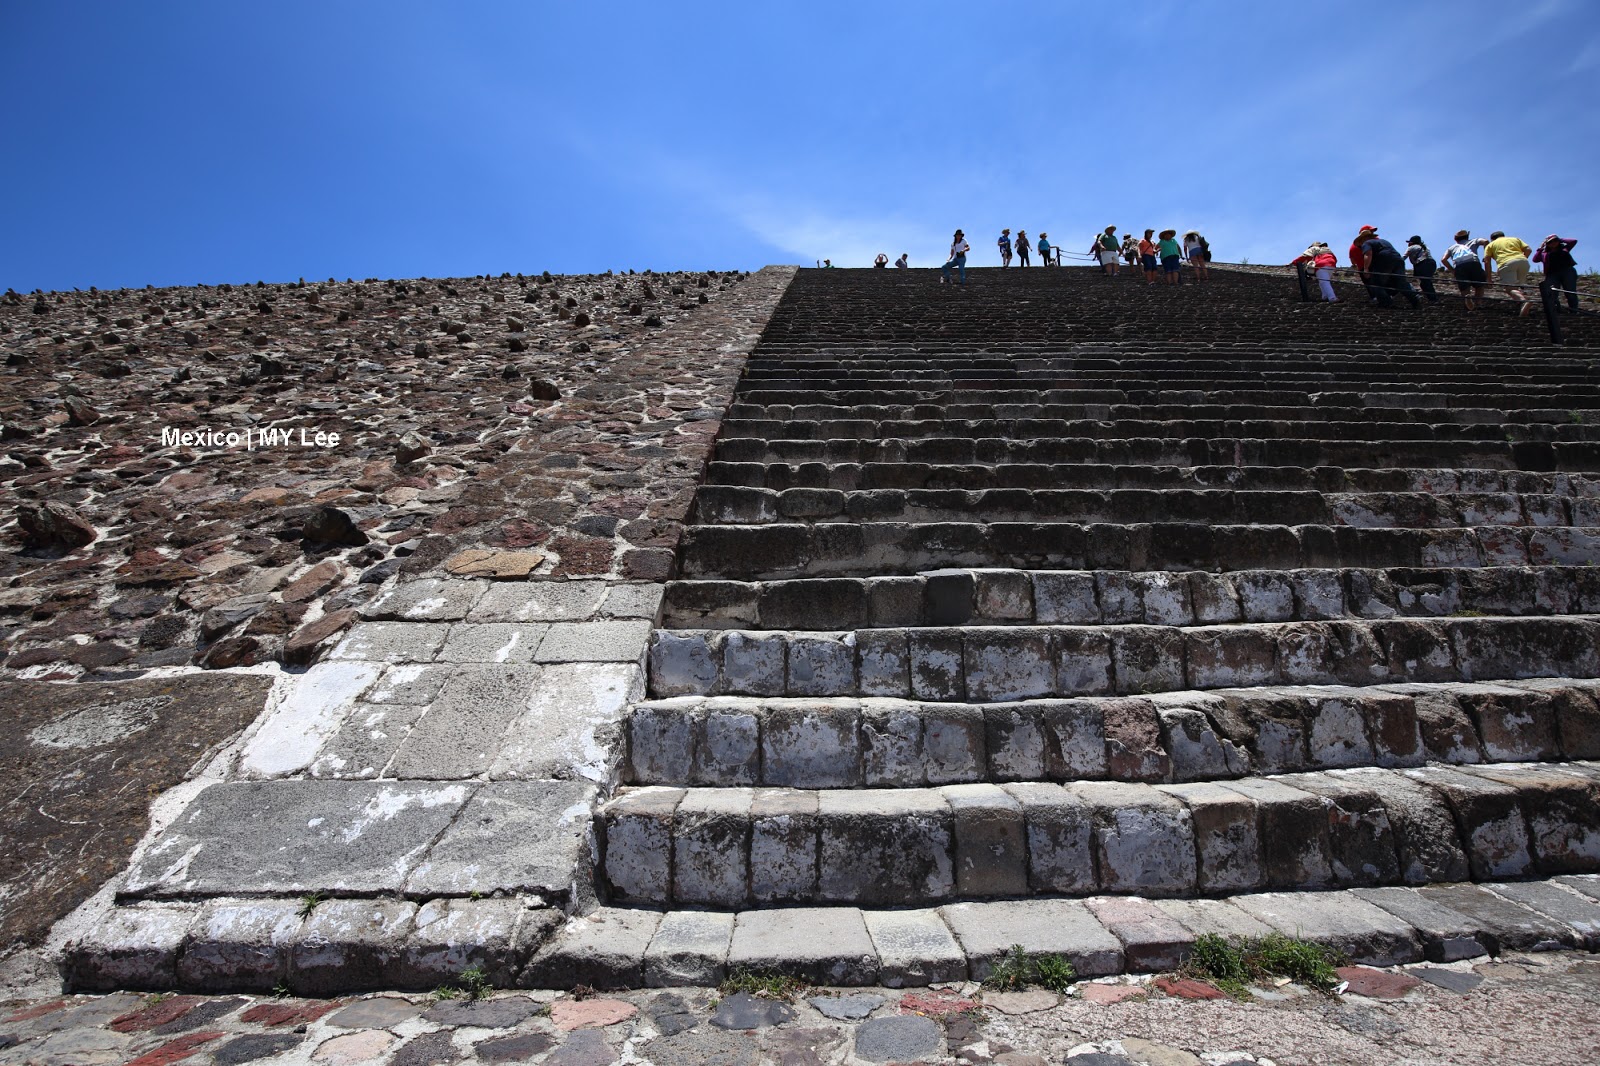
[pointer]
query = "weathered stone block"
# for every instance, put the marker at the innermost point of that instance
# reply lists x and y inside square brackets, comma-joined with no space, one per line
[884,847]
[1075,739]
[638,844]
[349,945]
[240,945]
[883,662]
[783,846]
[1007,664]
[891,745]
[1015,741]
[754,663]
[1197,751]
[661,741]
[711,847]
[936,665]
[1060,832]
[1221,656]
[689,948]
[953,739]
[1003,595]
[1144,839]
[1226,835]
[1490,820]
[1065,597]
[683,663]
[1083,662]
[812,744]
[991,856]
[727,746]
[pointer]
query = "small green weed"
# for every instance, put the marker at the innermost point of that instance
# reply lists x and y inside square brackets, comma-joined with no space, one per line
[280,990]
[1469,614]
[1231,963]
[308,903]
[766,985]
[1016,970]
[470,984]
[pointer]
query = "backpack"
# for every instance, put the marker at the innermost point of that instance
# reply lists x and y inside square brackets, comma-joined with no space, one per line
[1205,249]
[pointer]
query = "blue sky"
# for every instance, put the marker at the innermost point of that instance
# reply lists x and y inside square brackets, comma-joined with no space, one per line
[171,143]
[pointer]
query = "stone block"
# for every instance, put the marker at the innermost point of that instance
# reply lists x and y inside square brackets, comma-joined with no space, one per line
[1196,750]
[1513,724]
[891,745]
[953,739]
[1504,925]
[1361,840]
[711,847]
[316,708]
[1447,936]
[603,950]
[1151,939]
[754,663]
[1065,597]
[1490,820]
[1060,832]
[823,945]
[682,663]
[543,601]
[492,642]
[634,599]
[366,741]
[1293,831]
[947,597]
[1418,651]
[987,931]
[1361,931]
[460,735]
[1563,811]
[638,844]
[1144,839]
[883,663]
[1446,730]
[936,665]
[408,684]
[1006,664]
[1214,598]
[295,837]
[884,847]
[727,745]
[595,642]
[1147,659]
[240,945]
[1424,829]
[512,837]
[819,603]
[661,741]
[1015,742]
[689,948]
[1574,910]
[426,600]
[131,947]
[1318,594]
[1226,835]
[1083,662]
[1219,656]
[1214,916]
[783,846]
[1075,739]
[350,945]
[449,936]
[1003,596]
[894,601]
[914,948]
[822,664]
[812,744]
[1264,595]
[1165,597]
[1269,723]
[1118,594]
[991,856]
[573,723]
[1134,751]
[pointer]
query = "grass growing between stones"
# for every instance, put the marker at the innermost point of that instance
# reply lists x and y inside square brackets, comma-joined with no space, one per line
[1017,970]
[1232,963]
[470,984]
[764,984]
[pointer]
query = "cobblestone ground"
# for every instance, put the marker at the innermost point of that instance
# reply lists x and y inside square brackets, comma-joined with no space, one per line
[1518,1009]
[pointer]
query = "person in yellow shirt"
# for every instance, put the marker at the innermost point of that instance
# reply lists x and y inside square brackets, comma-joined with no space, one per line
[1508,257]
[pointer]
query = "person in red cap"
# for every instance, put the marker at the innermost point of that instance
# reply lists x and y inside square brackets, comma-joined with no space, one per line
[1358,258]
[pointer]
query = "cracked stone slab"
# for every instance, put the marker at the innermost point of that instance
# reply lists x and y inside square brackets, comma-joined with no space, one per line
[512,836]
[392,642]
[595,642]
[294,837]
[312,714]
[571,726]
[460,734]
[427,600]
[540,601]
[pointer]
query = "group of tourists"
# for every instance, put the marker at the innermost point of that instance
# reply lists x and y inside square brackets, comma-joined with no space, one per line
[1162,255]
[1382,267]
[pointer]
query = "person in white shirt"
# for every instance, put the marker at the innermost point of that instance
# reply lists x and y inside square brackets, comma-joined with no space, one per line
[958,259]
[904,261]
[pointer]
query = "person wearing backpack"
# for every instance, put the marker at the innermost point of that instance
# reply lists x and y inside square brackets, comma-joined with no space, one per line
[1106,246]
[1197,252]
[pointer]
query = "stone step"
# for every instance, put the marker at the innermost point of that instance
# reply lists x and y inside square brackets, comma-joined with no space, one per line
[849,477]
[1505,396]
[1208,408]
[1143,428]
[992,664]
[1116,597]
[839,549]
[1183,736]
[907,847]
[1575,456]
[619,947]
[738,505]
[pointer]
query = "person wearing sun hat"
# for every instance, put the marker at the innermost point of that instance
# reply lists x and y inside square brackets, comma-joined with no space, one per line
[958,259]
[1171,253]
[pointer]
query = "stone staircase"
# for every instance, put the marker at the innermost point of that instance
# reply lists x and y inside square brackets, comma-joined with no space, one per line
[1062,611]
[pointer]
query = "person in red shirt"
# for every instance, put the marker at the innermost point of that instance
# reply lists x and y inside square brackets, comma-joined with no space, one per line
[1358,258]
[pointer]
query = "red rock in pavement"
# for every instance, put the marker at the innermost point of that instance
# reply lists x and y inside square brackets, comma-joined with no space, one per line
[176,1050]
[935,1004]
[38,1010]
[1105,995]
[1188,988]
[570,1014]
[301,648]
[276,1014]
[159,1013]
[1377,984]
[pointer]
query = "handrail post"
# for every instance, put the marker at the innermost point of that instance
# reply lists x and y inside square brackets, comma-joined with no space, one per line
[1305,288]
[1552,309]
